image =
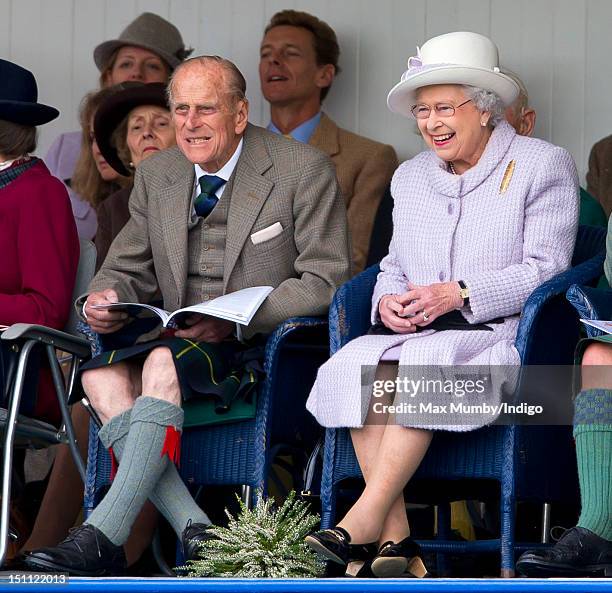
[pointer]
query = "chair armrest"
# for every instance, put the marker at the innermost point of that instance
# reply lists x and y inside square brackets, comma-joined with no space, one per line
[584,273]
[53,337]
[286,328]
[349,313]
[591,303]
[93,339]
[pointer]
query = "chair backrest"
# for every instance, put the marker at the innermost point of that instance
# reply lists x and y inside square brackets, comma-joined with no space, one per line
[85,272]
[590,241]
[382,229]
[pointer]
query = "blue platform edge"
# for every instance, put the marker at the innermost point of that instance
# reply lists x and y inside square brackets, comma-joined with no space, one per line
[117,585]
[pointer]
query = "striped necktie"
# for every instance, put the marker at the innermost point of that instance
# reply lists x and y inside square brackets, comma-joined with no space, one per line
[207,200]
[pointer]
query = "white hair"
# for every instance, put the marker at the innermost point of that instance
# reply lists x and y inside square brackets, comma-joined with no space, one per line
[485,100]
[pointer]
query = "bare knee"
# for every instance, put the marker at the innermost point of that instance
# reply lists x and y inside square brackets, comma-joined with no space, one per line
[159,378]
[597,353]
[110,389]
[597,366]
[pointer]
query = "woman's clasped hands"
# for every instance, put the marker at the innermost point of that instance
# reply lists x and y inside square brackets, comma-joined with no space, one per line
[418,306]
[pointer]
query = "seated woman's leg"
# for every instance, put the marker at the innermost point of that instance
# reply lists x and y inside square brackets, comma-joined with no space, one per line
[399,454]
[63,497]
[366,442]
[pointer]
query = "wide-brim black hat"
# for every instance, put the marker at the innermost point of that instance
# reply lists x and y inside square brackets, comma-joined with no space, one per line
[19,97]
[112,111]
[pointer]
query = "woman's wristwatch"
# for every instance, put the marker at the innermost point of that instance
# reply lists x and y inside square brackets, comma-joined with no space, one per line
[464,293]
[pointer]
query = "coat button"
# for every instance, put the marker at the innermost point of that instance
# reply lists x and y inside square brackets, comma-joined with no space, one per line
[205,297]
[450,208]
[441,276]
[205,226]
[206,247]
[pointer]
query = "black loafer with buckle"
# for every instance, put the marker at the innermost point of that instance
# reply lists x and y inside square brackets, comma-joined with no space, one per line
[335,545]
[396,559]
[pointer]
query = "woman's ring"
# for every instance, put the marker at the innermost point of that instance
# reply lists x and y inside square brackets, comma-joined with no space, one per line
[425,317]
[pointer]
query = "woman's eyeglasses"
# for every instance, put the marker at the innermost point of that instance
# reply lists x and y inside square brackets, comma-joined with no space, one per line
[422,111]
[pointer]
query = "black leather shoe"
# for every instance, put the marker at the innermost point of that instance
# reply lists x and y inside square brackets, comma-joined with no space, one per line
[192,535]
[393,560]
[335,545]
[86,552]
[578,553]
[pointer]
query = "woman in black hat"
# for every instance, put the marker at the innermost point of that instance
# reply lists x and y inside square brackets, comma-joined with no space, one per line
[129,126]
[38,238]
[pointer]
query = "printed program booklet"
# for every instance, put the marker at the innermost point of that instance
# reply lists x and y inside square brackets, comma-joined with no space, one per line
[239,307]
[604,326]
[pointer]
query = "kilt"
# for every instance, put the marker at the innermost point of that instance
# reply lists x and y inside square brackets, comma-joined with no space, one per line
[582,345]
[223,373]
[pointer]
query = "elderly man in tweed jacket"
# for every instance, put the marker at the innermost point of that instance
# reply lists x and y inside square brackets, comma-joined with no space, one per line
[263,211]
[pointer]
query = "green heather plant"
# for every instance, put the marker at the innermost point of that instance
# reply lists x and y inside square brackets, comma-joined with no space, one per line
[265,542]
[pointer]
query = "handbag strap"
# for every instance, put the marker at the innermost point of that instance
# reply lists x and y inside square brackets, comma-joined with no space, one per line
[310,470]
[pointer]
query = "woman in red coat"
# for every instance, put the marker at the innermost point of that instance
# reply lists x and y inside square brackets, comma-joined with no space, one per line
[39,245]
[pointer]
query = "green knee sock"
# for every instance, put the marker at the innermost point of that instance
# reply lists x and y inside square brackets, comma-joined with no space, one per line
[593,434]
[142,465]
[170,494]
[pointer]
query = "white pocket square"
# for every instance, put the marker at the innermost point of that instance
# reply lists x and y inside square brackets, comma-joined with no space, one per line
[266,234]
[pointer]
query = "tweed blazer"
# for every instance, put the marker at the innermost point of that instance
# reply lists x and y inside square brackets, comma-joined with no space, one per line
[275,180]
[364,169]
[599,175]
[502,238]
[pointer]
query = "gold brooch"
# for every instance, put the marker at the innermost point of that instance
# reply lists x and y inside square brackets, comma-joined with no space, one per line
[507,177]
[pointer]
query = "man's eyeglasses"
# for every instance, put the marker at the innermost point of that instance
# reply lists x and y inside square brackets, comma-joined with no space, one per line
[422,111]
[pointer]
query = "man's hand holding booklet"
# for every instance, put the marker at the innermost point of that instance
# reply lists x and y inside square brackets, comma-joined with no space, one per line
[238,307]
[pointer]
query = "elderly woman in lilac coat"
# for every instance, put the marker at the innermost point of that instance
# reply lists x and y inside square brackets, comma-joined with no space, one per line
[480,220]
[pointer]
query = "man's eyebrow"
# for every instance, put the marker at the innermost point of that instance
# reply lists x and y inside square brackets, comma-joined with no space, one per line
[283,46]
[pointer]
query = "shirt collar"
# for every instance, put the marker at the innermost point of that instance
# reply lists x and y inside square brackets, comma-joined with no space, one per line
[226,171]
[303,132]
[7,164]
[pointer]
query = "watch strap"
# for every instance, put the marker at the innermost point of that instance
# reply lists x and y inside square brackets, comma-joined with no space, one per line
[464,292]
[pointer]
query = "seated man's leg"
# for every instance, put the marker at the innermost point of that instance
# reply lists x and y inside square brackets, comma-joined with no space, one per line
[593,434]
[151,430]
[170,495]
[586,550]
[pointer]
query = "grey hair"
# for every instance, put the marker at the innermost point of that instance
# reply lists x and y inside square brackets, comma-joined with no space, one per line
[485,100]
[234,80]
[522,101]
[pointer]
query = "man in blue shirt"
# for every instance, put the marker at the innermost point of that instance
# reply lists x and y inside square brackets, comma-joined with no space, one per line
[298,62]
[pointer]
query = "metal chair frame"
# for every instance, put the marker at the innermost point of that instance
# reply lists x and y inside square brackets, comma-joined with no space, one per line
[20,430]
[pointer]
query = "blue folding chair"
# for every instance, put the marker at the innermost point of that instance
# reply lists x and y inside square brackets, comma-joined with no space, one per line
[528,462]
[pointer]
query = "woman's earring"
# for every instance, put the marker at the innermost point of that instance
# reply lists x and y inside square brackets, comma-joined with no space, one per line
[131,164]
[483,123]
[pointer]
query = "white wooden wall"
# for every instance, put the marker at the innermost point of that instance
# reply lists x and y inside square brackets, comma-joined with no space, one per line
[561,48]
